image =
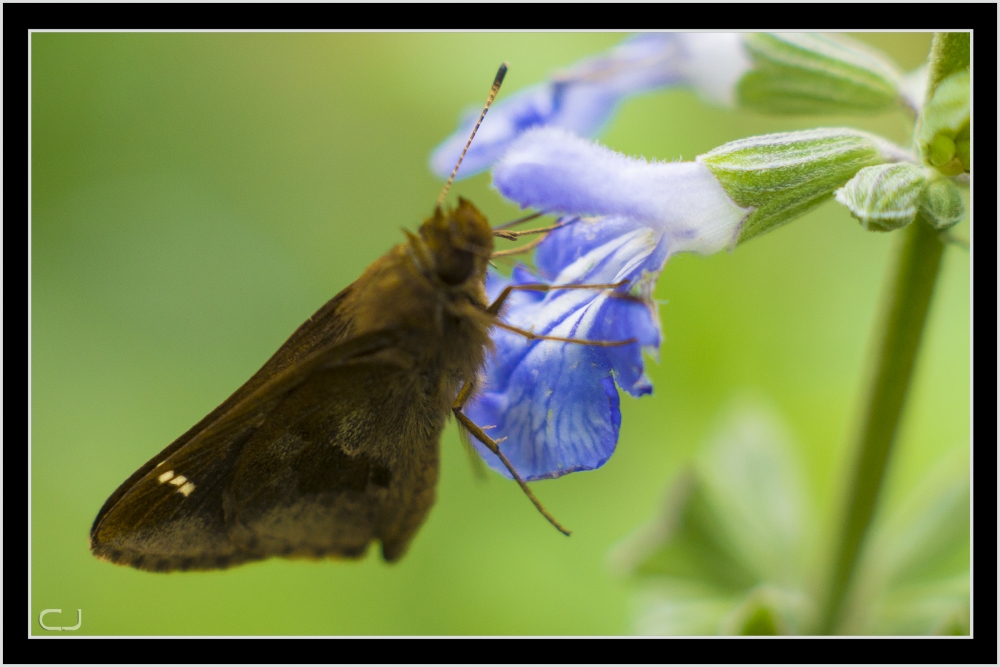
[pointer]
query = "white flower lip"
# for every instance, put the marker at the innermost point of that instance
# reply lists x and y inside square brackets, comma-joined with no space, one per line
[712,63]
[558,172]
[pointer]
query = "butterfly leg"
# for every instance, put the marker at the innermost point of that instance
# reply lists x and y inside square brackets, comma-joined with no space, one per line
[467,390]
[494,447]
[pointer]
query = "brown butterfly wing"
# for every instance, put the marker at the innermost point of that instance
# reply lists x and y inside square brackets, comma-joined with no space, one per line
[325,328]
[351,456]
[318,459]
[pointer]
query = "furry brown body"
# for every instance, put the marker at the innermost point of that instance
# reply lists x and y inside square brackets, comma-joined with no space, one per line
[334,442]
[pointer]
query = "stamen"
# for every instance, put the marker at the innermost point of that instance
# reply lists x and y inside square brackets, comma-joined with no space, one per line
[510,236]
[579,341]
[519,221]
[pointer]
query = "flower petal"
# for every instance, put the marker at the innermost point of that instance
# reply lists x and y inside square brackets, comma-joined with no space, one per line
[713,62]
[558,172]
[559,412]
[581,98]
[502,125]
[577,237]
[556,403]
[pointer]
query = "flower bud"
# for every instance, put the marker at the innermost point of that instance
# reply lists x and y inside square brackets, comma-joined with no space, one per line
[805,73]
[944,126]
[781,176]
[884,197]
[941,203]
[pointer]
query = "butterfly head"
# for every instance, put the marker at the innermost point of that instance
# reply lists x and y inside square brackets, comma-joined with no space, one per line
[457,244]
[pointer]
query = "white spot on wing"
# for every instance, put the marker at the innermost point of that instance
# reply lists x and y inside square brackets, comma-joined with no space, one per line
[187,489]
[177,481]
[165,477]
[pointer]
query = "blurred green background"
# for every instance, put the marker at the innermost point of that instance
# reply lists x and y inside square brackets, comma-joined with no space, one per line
[195,197]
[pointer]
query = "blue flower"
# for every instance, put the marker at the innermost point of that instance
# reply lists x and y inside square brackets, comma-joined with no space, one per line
[555,405]
[584,97]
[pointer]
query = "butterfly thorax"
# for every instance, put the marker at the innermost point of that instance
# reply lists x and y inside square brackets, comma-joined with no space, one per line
[433,286]
[455,247]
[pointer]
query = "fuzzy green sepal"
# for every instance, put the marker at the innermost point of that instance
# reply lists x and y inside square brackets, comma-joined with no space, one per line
[941,203]
[814,74]
[781,176]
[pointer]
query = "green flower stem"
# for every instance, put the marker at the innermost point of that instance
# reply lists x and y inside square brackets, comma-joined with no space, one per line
[916,271]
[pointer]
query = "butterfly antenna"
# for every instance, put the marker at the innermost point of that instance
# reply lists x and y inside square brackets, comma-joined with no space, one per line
[489,100]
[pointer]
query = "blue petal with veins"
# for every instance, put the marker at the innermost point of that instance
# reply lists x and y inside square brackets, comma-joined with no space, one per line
[557,403]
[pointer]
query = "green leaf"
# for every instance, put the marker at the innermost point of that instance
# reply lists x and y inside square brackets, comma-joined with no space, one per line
[686,542]
[757,493]
[672,608]
[884,197]
[808,73]
[940,607]
[782,176]
[914,573]
[735,521]
[741,516]
[950,53]
[769,610]
[760,620]
[932,541]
